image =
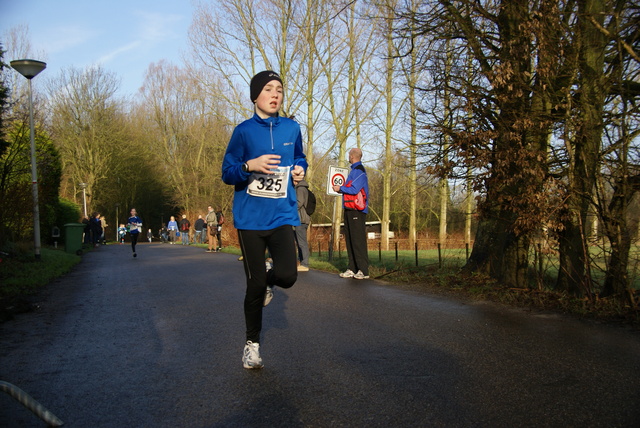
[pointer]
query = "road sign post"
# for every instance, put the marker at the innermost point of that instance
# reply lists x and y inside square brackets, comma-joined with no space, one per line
[337,177]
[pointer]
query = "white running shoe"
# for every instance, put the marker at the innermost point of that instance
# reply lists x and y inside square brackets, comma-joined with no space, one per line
[268,295]
[347,274]
[360,275]
[251,356]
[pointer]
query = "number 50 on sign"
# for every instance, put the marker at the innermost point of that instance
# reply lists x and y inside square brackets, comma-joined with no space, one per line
[337,177]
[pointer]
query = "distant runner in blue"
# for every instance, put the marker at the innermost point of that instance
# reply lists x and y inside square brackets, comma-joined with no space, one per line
[135,227]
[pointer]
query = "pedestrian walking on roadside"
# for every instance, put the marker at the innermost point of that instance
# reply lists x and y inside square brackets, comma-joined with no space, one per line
[185,225]
[164,234]
[212,227]
[302,194]
[135,228]
[103,223]
[96,229]
[87,229]
[355,201]
[264,159]
[122,231]
[172,227]
[220,220]
[198,227]
[149,235]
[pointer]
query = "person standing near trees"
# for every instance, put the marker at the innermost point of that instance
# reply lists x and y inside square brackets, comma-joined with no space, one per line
[220,220]
[185,225]
[135,227]
[212,228]
[264,160]
[103,223]
[355,201]
[122,231]
[96,228]
[87,229]
[172,227]
[198,227]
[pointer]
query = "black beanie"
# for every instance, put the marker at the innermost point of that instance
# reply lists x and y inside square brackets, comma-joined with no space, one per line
[259,81]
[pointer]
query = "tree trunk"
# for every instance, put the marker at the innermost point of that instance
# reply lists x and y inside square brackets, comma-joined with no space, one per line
[501,247]
[616,282]
[499,253]
[572,276]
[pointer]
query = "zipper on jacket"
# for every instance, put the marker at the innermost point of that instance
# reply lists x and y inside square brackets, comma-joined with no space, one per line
[271,133]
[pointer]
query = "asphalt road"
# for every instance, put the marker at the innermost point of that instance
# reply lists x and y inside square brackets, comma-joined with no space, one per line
[156,341]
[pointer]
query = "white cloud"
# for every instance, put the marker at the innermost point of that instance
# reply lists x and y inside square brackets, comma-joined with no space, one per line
[61,38]
[156,27]
[115,53]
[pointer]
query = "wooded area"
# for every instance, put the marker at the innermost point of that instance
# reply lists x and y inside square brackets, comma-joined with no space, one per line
[511,124]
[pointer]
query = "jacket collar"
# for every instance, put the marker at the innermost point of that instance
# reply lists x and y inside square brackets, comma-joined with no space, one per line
[275,120]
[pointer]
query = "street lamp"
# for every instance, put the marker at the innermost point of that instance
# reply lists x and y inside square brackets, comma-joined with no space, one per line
[83,186]
[30,68]
[117,220]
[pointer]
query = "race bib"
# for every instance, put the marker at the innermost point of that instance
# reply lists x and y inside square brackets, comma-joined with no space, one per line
[272,186]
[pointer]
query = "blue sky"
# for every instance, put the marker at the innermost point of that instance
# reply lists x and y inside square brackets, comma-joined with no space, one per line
[124,37]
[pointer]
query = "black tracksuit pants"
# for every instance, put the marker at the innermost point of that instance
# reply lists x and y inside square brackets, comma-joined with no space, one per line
[134,241]
[356,237]
[281,244]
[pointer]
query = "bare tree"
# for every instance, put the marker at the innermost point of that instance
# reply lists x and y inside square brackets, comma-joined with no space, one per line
[188,134]
[350,48]
[393,107]
[88,128]
[618,177]
[411,49]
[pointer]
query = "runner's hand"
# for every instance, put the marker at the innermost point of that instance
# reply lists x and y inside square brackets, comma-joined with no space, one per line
[264,163]
[297,174]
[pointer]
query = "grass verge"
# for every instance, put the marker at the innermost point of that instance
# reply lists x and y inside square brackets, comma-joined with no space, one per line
[21,276]
[480,288]
[443,276]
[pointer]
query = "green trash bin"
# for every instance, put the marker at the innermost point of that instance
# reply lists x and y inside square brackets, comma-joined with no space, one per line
[73,238]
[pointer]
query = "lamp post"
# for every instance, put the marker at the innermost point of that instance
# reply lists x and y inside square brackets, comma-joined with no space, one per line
[30,68]
[83,186]
[117,220]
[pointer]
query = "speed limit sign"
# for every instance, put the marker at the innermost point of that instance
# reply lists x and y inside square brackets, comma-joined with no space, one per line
[337,177]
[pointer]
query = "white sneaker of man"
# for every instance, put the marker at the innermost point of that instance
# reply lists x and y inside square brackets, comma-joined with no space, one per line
[347,274]
[360,275]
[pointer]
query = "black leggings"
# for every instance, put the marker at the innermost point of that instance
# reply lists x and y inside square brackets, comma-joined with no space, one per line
[134,241]
[355,229]
[281,244]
